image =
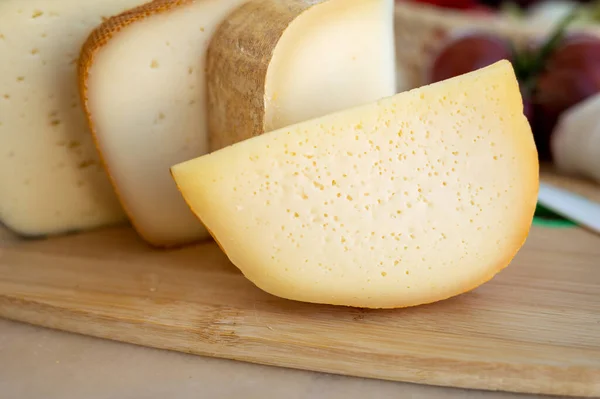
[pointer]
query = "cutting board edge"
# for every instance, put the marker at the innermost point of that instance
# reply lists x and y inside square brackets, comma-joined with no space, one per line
[114,329]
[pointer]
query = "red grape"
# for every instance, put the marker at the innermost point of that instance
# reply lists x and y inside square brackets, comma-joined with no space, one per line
[468,53]
[576,53]
[481,10]
[562,88]
[454,4]
[556,92]
[571,75]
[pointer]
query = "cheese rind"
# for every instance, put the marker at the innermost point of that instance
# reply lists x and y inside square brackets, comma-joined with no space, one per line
[273,63]
[143,85]
[409,200]
[51,180]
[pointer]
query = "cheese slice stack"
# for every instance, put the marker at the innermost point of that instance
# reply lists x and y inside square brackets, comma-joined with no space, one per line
[144,86]
[409,200]
[51,180]
[273,63]
[143,83]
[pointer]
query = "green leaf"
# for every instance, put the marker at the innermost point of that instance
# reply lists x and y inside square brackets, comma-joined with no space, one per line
[528,64]
[544,53]
[512,9]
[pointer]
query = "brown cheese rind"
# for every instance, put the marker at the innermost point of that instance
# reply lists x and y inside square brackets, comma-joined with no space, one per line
[237,62]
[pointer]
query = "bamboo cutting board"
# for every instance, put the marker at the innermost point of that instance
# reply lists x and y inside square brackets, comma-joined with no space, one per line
[534,328]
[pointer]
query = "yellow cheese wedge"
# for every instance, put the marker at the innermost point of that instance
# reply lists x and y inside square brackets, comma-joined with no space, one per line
[412,199]
[273,63]
[143,86]
[51,180]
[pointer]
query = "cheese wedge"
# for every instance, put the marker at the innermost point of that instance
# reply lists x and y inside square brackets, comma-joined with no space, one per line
[51,180]
[273,63]
[412,199]
[143,86]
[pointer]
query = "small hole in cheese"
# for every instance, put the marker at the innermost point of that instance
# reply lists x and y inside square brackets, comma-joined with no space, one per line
[85,164]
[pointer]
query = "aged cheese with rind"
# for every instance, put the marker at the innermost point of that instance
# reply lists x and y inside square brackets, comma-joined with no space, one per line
[143,84]
[409,200]
[51,180]
[273,63]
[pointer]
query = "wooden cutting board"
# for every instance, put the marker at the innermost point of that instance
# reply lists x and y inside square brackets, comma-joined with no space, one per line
[534,328]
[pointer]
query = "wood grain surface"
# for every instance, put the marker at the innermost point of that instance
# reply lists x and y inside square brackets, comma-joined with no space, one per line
[534,328]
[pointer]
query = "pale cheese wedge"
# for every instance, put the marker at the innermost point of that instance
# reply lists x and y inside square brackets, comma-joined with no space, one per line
[143,86]
[409,200]
[51,180]
[273,63]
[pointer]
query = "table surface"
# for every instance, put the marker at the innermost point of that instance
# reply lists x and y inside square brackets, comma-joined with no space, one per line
[41,363]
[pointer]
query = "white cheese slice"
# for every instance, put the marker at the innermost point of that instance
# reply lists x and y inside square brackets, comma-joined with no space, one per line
[143,77]
[51,180]
[409,200]
[273,63]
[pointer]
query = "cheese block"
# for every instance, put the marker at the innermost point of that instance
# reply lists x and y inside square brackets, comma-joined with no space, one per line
[273,63]
[143,86]
[409,200]
[51,180]
[575,141]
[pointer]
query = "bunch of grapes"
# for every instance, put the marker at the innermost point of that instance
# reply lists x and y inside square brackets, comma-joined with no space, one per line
[554,75]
